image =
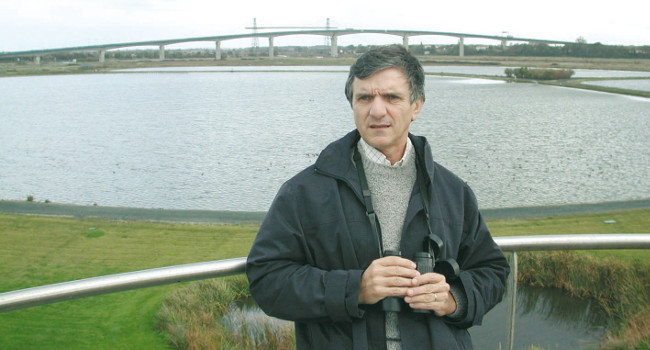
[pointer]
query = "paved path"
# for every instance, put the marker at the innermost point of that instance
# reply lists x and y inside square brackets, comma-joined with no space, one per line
[236,217]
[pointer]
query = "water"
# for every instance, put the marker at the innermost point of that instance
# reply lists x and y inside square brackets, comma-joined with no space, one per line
[636,84]
[476,70]
[227,140]
[546,318]
[240,69]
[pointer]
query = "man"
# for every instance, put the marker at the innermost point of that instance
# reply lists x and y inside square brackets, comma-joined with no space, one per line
[321,255]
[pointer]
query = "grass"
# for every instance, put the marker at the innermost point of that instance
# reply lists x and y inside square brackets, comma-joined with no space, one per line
[38,250]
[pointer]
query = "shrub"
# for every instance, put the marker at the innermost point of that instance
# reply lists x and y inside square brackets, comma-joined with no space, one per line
[539,74]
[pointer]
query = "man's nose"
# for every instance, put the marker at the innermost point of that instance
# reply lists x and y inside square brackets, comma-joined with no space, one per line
[378,107]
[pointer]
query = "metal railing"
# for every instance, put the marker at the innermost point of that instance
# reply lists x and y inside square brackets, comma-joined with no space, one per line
[53,293]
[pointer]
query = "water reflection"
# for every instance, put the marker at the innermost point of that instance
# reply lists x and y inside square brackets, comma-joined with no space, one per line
[249,325]
[560,310]
[546,318]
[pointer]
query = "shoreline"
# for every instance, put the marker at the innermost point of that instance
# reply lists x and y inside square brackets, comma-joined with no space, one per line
[13,69]
[256,217]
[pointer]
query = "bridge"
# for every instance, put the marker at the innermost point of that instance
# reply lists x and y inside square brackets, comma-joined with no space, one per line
[333,34]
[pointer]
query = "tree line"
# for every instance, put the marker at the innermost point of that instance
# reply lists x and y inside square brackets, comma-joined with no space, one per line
[578,49]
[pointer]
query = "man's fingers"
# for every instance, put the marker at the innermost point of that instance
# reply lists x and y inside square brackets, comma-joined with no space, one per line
[393,266]
[388,276]
[440,287]
[395,261]
[429,278]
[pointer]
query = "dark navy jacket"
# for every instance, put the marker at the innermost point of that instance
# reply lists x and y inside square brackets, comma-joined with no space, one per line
[315,242]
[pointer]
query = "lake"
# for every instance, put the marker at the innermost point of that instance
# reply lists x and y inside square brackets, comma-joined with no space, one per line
[227,139]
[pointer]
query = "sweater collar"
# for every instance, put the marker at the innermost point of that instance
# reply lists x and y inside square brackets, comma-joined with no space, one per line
[375,156]
[336,158]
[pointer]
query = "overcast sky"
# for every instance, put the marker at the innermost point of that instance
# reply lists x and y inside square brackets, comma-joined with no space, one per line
[40,24]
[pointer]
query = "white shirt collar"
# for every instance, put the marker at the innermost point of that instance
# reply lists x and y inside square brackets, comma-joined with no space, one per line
[377,157]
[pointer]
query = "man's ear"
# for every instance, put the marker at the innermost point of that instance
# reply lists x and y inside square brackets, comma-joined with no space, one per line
[418,107]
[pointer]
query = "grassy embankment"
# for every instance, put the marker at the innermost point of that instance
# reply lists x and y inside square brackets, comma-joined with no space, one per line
[42,250]
[37,250]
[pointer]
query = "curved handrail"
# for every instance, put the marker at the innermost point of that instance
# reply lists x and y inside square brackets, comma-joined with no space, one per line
[52,293]
[574,242]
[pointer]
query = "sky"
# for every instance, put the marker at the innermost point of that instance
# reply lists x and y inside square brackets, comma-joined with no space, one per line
[44,24]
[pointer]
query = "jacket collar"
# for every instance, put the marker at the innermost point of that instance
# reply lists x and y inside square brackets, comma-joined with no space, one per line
[336,158]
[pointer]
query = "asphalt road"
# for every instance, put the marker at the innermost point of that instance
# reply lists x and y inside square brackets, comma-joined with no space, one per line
[237,217]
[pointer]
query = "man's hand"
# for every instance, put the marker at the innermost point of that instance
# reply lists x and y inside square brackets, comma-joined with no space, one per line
[431,292]
[390,276]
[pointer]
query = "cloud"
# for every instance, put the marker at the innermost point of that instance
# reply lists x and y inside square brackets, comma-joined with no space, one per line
[34,24]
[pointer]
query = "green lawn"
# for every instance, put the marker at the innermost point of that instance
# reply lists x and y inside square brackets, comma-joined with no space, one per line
[37,250]
[632,221]
[43,250]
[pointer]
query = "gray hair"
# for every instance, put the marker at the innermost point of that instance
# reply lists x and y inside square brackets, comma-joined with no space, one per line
[393,56]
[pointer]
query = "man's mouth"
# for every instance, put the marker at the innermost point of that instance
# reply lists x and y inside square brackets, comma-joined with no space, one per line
[380,126]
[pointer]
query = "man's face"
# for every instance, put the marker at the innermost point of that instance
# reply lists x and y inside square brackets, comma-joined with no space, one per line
[383,111]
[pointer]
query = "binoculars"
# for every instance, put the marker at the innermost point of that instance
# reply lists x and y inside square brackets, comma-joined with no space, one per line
[425,263]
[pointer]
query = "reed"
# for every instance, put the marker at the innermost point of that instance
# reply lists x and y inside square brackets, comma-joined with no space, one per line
[213,315]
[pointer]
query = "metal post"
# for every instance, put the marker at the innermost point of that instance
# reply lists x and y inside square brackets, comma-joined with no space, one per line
[512,288]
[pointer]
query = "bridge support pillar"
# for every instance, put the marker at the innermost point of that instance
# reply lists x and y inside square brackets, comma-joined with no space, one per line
[37,60]
[405,42]
[504,43]
[334,50]
[161,52]
[270,47]
[461,46]
[102,56]
[217,53]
